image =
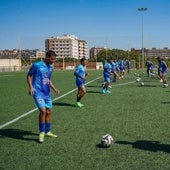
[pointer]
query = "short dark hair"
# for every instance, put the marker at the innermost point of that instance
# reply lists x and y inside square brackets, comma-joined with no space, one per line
[50,53]
[108,60]
[82,59]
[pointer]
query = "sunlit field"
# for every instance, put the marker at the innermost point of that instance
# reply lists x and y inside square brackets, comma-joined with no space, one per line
[137,117]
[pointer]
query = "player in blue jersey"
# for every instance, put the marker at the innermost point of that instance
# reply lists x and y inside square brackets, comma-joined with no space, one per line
[159,69]
[107,71]
[128,64]
[39,83]
[114,70]
[164,71]
[122,68]
[80,73]
[149,66]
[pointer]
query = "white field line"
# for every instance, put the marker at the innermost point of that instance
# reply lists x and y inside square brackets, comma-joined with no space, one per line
[124,83]
[33,110]
[8,75]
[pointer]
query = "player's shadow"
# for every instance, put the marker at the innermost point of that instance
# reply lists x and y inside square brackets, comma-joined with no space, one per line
[147,85]
[153,146]
[63,104]
[93,86]
[91,91]
[18,134]
[165,102]
[101,146]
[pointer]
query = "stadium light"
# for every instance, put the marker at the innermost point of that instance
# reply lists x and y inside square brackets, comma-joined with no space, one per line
[142,10]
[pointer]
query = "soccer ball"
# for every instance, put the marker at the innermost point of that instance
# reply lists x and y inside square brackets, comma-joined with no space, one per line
[106,141]
[142,84]
[138,79]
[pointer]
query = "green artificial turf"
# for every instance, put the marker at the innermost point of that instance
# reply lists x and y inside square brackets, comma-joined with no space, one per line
[136,116]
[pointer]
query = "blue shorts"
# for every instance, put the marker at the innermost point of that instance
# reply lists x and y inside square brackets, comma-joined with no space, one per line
[107,79]
[122,68]
[43,101]
[164,72]
[80,82]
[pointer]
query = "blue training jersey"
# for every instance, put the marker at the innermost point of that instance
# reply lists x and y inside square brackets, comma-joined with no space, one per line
[107,69]
[80,71]
[163,66]
[121,65]
[41,77]
[113,66]
[128,64]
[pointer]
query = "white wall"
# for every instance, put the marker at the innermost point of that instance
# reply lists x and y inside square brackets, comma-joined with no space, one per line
[10,65]
[99,65]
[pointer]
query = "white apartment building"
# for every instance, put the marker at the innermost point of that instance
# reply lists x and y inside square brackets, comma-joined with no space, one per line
[82,49]
[67,46]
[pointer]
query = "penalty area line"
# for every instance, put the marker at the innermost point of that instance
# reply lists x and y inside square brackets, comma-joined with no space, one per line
[33,110]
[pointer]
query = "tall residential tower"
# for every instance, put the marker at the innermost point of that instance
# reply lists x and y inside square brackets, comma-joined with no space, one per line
[67,46]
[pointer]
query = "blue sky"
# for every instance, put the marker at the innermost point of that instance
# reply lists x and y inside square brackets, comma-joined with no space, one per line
[26,24]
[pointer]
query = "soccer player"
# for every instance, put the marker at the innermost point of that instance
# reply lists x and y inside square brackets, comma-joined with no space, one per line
[107,75]
[159,69]
[80,73]
[149,66]
[114,70]
[39,83]
[122,68]
[164,72]
[128,63]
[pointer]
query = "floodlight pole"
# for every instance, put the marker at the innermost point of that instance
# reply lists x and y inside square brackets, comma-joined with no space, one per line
[142,10]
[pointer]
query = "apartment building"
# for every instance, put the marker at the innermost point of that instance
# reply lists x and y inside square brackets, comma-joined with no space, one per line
[154,52]
[95,50]
[82,49]
[67,46]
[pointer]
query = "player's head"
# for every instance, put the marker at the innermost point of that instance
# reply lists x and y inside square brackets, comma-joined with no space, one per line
[109,60]
[50,57]
[159,58]
[83,61]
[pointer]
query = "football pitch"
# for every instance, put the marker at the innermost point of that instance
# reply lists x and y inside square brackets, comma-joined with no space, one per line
[137,117]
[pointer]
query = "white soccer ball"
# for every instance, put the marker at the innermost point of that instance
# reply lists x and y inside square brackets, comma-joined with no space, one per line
[106,141]
[138,79]
[142,84]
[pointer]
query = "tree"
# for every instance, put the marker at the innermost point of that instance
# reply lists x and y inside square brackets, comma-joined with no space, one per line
[118,54]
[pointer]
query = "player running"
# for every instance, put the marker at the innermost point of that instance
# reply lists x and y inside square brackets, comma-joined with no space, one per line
[107,75]
[80,73]
[122,64]
[164,71]
[114,70]
[159,69]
